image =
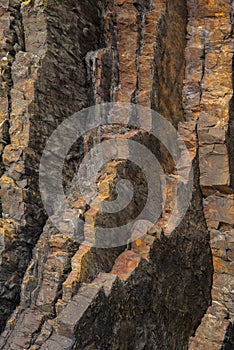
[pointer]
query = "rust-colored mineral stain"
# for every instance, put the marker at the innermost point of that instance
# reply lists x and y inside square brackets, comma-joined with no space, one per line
[126,264]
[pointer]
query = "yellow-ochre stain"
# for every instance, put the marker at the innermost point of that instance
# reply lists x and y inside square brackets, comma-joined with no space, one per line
[25,3]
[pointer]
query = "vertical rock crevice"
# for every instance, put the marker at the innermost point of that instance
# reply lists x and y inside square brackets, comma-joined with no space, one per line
[228,342]
[169,63]
[11,43]
[48,83]
[208,90]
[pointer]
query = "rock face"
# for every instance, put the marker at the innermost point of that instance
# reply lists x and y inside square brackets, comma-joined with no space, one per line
[161,291]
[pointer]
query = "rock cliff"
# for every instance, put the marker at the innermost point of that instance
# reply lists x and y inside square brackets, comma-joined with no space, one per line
[162,290]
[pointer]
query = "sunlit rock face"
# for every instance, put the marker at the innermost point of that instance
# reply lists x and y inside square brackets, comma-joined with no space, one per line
[159,291]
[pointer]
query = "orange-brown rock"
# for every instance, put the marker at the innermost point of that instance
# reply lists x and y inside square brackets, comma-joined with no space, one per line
[162,290]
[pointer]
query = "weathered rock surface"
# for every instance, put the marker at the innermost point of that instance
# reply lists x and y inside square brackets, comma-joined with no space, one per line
[208,88]
[160,291]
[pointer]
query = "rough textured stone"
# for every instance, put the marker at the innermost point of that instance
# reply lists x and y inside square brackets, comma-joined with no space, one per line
[38,102]
[207,92]
[158,291]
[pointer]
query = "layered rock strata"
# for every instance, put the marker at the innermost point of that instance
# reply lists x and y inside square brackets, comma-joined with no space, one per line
[156,292]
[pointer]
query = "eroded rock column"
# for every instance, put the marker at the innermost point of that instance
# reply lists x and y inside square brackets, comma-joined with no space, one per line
[207,92]
[44,80]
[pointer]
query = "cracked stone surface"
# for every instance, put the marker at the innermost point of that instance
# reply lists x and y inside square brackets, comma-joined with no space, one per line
[159,291]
